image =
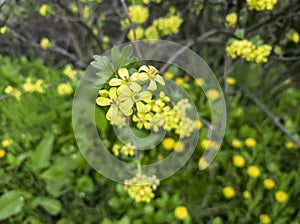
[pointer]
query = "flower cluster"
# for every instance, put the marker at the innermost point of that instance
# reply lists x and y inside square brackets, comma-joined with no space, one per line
[30,87]
[138,14]
[64,89]
[231,20]
[260,5]
[247,50]
[168,26]
[132,95]
[141,187]
[13,92]
[127,150]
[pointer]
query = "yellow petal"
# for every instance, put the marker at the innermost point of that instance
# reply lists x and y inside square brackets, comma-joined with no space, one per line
[145,96]
[113,93]
[123,73]
[126,106]
[114,113]
[102,101]
[108,114]
[135,87]
[152,86]
[125,91]
[147,125]
[115,82]
[143,68]
[141,108]
[159,79]
[142,77]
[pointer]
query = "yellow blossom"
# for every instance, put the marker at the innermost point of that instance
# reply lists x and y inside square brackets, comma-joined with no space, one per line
[230,81]
[260,5]
[2,153]
[105,39]
[295,37]
[290,145]
[228,192]
[142,120]
[160,157]
[253,171]
[29,86]
[246,194]
[45,43]
[179,147]
[138,14]
[181,212]
[231,19]
[202,164]
[64,89]
[213,94]
[238,161]
[6,143]
[70,72]
[136,34]
[128,149]
[151,33]
[281,196]
[168,143]
[269,183]
[116,149]
[236,143]
[74,8]
[264,219]
[141,187]
[86,12]
[208,144]
[168,26]
[125,79]
[250,142]
[199,81]
[180,81]
[169,75]
[45,10]
[3,29]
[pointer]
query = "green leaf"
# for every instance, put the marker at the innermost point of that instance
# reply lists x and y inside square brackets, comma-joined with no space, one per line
[11,203]
[40,157]
[240,33]
[52,206]
[85,184]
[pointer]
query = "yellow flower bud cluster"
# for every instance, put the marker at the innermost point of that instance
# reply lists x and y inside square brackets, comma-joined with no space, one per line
[247,50]
[127,150]
[138,14]
[30,87]
[141,187]
[260,5]
[64,89]
[70,73]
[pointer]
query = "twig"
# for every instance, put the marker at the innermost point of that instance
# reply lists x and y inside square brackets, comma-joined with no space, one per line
[132,25]
[273,117]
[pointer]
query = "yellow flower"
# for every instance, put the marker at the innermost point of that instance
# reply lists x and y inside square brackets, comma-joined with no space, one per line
[128,149]
[228,192]
[202,164]
[142,120]
[246,194]
[45,10]
[146,2]
[295,37]
[236,143]
[138,14]
[45,43]
[181,212]
[6,143]
[198,124]
[260,5]
[105,39]
[112,101]
[168,26]
[2,153]
[264,219]
[253,171]
[8,90]
[73,7]
[231,19]
[70,72]
[3,29]
[160,157]
[238,161]
[281,196]
[199,81]
[230,81]
[213,94]
[141,187]
[269,183]
[169,75]
[290,145]
[168,143]
[28,86]
[151,33]
[116,149]
[181,82]
[125,80]
[148,73]
[250,142]
[129,97]
[179,147]
[139,34]
[64,89]
[208,144]
[86,12]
